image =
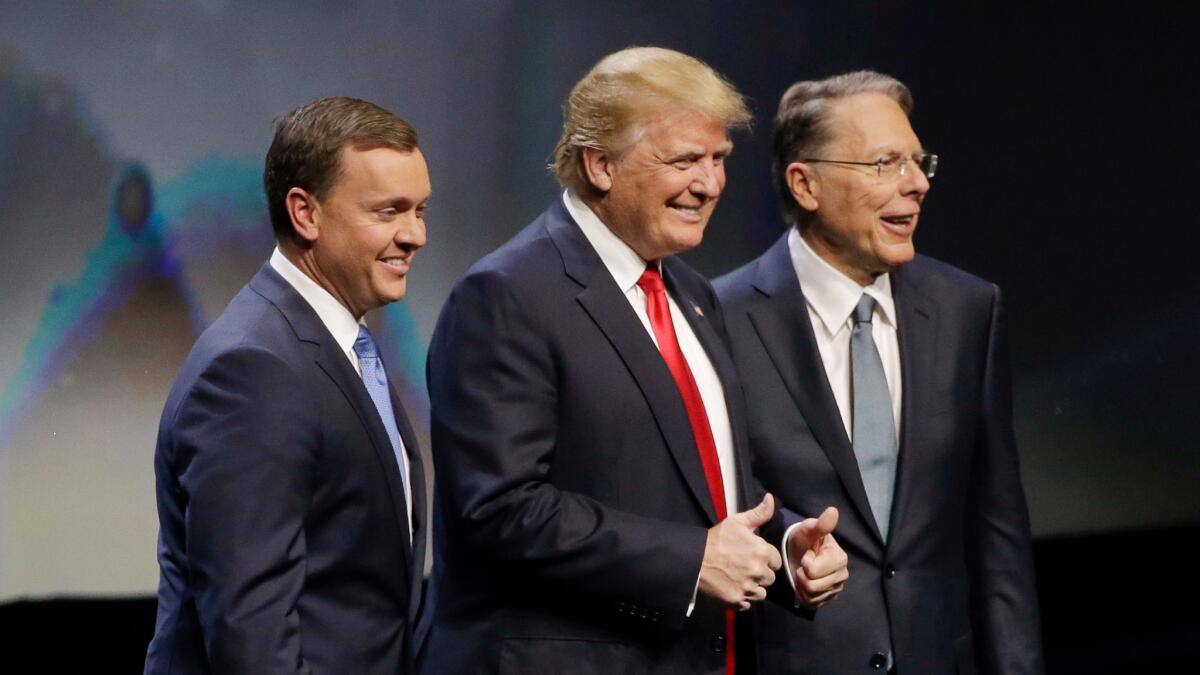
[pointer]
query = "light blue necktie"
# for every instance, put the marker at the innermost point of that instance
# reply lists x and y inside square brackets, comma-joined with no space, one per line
[376,382]
[874,427]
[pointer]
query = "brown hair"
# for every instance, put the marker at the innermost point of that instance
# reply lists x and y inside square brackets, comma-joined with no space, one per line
[308,141]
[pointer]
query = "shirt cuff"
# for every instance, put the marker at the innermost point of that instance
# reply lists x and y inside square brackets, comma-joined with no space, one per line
[695,592]
[787,567]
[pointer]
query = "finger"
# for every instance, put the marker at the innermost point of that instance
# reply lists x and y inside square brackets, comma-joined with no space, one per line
[765,579]
[774,560]
[825,596]
[761,514]
[828,561]
[815,600]
[813,587]
[837,575]
[743,606]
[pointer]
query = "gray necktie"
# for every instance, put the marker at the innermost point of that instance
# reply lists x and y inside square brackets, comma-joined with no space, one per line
[874,429]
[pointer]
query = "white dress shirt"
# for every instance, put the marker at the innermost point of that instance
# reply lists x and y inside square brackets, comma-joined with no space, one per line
[830,297]
[626,267]
[342,325]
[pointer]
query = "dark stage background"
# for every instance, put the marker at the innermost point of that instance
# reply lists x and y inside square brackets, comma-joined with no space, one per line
[131,138]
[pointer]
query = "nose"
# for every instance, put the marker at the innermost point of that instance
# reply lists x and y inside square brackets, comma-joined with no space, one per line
[914,182]
[709,178]
[410,234]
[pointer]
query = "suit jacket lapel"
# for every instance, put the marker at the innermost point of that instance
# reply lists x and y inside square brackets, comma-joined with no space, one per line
[718,355]
[782,323]
[330,359]
[420,518]
[916,317]
[607,306]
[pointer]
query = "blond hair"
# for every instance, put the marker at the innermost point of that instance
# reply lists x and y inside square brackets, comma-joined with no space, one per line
[605,109]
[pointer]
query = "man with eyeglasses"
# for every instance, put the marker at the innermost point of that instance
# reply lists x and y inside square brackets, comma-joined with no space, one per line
[877,381]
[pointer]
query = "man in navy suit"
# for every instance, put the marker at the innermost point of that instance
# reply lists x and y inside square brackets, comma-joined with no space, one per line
[587,421]
[877,381]
[290,485]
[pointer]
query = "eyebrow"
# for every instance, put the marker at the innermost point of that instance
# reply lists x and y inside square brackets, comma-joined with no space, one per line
[725,149]
[400,203]
[891,150]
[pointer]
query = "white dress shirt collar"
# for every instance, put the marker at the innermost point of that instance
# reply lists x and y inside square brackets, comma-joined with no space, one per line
[831,294]
[623,263]
[337,319]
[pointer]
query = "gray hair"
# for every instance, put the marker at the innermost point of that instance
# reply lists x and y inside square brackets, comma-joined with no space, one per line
[803,126]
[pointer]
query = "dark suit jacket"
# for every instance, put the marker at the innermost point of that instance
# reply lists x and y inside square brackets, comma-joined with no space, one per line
[954,584]
[573,497]
[283,541]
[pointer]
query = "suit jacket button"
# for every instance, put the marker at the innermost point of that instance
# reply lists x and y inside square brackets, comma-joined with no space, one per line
[717,643]
[878,661]
[889,572]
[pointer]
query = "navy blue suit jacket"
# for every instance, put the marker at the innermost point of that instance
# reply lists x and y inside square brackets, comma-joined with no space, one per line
[954,583]
[575,505]
[283,540]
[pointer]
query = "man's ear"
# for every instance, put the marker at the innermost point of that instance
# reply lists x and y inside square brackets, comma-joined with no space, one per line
[598,165]
[804,184]
[302,207]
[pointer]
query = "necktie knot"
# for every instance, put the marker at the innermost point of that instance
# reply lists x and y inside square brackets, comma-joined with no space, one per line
[651,280]
[864,309]
[364,344]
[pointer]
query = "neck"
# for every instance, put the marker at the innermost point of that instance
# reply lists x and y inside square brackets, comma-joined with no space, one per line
[825,252]
[599,206]
[305,260]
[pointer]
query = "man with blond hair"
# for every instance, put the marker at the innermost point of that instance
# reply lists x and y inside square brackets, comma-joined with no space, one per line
[587,421]
[877,381]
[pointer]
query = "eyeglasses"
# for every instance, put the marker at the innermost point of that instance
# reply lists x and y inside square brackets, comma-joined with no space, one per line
[893,167]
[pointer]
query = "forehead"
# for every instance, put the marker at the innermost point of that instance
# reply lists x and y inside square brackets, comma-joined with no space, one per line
[684,130]
[869,122]
[383,169]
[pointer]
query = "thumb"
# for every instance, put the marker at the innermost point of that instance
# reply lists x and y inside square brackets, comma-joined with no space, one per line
[815,528]
[761,514]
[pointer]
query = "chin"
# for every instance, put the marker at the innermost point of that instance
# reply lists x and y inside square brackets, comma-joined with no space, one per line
[393,292]
[688,240]
[894,255]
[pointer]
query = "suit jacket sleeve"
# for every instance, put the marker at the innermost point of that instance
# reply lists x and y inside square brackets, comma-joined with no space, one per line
[1003,598]
[244,458]
[493,383]
[783,591]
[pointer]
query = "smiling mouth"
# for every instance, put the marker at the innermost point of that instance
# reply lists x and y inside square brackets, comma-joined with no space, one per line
[688,211]
[400,265]
[900,221]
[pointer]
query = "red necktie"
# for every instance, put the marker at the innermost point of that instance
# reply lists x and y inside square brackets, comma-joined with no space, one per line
[659,310]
